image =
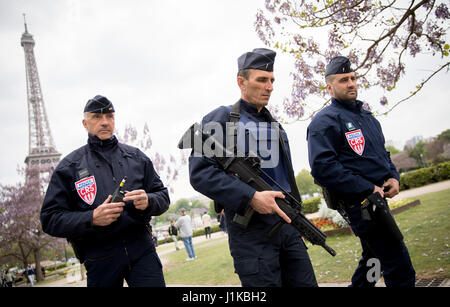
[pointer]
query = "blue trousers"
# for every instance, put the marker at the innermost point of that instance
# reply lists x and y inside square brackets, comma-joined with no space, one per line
[110,271]
[189,246]
[280,261]
[377,243]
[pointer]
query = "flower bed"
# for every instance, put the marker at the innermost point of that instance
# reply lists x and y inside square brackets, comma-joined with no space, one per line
[331,228]
[324,223]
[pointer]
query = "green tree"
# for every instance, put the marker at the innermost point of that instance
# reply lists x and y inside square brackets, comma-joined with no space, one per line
[212,211]
[181,203]
[417,152]
[305,183]
[444,136]
[434,151]
[392,150]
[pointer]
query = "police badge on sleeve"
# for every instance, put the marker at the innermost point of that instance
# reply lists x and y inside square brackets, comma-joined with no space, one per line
[356,141]
[87,189]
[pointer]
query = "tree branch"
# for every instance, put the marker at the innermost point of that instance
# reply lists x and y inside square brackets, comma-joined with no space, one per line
[419,87]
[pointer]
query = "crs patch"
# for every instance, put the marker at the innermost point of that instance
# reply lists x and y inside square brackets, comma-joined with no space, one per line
[87,189]
[356,141]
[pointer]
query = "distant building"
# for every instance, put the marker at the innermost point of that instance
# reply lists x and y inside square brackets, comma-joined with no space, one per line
[412,142]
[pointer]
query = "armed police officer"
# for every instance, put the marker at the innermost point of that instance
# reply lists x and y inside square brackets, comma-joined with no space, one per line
[112,239]
[349,160]
[259,260]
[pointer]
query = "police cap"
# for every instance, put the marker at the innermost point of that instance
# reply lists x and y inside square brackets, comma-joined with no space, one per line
[99,104]
[259,58]
[338,65]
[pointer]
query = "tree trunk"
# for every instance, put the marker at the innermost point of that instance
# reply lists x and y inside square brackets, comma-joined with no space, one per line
[37,261]
[25,262]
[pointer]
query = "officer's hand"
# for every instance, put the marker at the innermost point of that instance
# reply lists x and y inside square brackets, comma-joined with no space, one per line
[107,213]
[264,203]
[393,187]
[379,190]
[139,198]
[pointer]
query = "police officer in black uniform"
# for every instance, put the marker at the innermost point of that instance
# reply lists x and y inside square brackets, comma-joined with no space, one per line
[348,158]
[259,260]
[112,239]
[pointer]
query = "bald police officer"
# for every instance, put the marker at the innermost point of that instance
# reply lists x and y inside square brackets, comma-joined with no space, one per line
[112,239]
[259,260]
[348,158]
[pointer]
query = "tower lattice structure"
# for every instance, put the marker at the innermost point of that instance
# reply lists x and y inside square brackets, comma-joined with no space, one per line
[42,152]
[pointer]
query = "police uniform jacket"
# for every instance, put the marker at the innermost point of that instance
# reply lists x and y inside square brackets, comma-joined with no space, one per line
[83,180]
[208,178]
[346,149]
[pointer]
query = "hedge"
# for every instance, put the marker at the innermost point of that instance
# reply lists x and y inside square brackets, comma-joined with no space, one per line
[55,267]
[311,205]
[425,176]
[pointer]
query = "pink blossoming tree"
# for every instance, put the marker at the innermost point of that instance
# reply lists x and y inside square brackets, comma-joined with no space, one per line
[377,35]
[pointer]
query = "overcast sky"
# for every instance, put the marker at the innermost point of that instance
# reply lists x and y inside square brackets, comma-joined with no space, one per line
[164,63]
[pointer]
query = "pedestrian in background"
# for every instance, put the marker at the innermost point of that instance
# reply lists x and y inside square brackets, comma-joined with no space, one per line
[184,224]
[222,221]
[9,279]
[30,274]
[173,232]
[206,220]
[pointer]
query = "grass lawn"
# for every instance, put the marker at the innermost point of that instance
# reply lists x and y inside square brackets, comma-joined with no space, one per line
[426,229]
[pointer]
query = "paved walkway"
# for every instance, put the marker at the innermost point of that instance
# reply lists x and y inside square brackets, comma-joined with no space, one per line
[219,237]
[434,187]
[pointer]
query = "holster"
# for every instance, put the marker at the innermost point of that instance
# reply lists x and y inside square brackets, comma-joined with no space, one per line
[375,208]
[217,207]
[332,200]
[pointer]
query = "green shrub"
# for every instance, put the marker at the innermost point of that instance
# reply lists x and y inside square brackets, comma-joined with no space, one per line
[311,205]
[54,267]
[425,176]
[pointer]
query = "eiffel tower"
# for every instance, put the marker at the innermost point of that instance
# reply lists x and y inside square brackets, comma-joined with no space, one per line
[41,148]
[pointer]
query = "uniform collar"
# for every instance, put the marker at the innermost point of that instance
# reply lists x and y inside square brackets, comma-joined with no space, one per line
[352,106]
[102,145]
[252,109]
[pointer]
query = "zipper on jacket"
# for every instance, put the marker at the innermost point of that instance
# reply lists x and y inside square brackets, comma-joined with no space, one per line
[126,253]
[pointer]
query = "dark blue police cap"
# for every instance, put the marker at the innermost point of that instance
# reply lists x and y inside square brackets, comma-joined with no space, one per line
[259,58]
[99,104]
[338,65]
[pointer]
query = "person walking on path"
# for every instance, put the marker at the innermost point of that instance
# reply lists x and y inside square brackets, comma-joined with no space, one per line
[9,279]
[173,232]
[30,274]
[184,224]
[222,221]
[206,220]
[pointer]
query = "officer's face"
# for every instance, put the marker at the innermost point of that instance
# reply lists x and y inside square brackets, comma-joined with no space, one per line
[258,88]
[343,87]
[101,125]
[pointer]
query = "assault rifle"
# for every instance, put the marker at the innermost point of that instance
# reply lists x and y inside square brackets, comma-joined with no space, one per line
[248,170]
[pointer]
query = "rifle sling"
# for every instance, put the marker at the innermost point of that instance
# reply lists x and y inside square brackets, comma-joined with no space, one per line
[234,118]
